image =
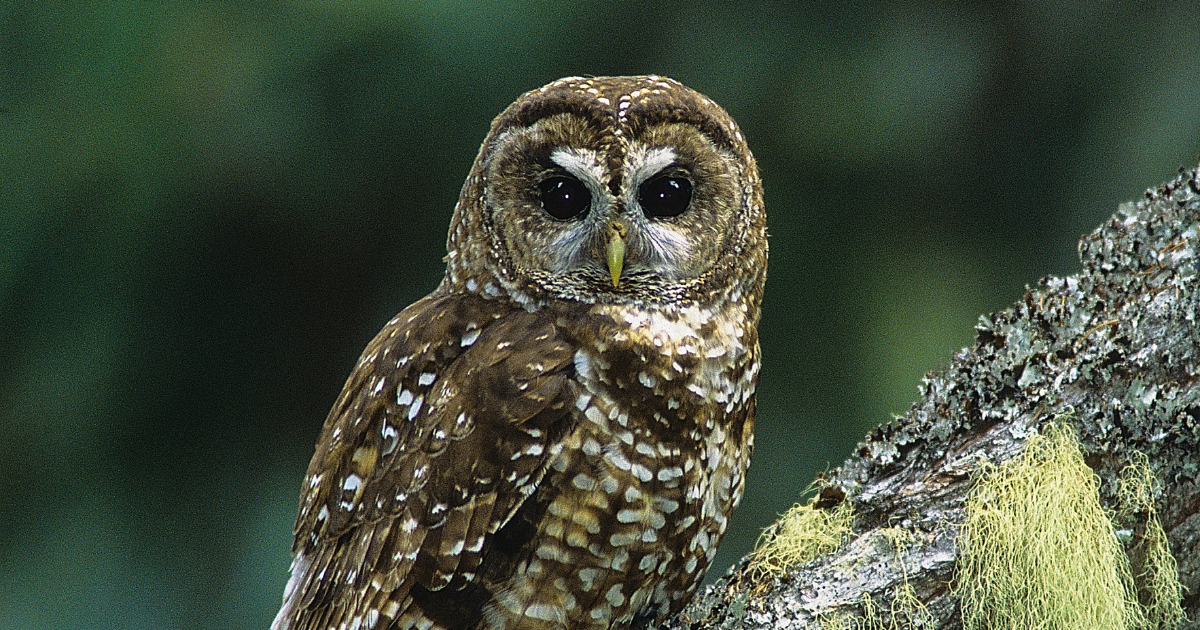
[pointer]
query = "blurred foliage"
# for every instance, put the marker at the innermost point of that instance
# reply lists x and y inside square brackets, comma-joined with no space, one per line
[208,208]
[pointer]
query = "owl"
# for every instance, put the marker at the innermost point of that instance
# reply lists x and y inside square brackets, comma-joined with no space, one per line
[557,435]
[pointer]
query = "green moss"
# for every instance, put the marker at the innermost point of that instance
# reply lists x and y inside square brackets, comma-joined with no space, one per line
[1158,579]
[800,535]
[1037,550]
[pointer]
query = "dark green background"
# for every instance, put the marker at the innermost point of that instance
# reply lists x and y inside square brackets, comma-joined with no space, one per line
[208,208]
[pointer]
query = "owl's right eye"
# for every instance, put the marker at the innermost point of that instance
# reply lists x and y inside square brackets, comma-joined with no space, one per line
[564,197]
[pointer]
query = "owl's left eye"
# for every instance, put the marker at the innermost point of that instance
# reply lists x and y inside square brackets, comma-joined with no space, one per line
[665,196]
[564,197]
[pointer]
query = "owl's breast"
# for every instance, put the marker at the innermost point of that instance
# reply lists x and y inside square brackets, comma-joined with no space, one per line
[686,369]
[638,495]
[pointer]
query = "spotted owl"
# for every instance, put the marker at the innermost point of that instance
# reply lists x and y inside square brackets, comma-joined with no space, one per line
[557,435]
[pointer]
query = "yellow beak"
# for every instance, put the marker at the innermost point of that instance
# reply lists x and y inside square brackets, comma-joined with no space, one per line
[616,250]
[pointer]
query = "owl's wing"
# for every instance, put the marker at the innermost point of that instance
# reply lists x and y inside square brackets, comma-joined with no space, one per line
[443,429]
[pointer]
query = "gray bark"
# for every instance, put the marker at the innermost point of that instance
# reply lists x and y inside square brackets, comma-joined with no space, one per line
[1113,351]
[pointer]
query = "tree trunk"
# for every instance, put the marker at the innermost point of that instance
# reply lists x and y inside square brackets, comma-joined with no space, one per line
[1112,353]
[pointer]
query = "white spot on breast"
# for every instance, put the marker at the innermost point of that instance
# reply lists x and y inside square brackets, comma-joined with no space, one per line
[641,472]
[617,459]
[666,505]
[426,378]
[623,538]
[546,612]
[583,482]
[587,576]
[552,552]
[595,415]
[583,366]
[614,595]
[469,338]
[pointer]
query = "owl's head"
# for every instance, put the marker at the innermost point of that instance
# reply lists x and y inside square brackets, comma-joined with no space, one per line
[611,189]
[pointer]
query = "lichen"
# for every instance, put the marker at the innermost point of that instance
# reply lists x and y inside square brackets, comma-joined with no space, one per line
[1037,550]
[1158,579]
[800,535]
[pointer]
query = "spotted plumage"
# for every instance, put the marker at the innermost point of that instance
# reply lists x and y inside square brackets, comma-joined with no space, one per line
[556,436]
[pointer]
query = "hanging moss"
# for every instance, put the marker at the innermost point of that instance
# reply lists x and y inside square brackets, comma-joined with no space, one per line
[1158,580]
[1037,549]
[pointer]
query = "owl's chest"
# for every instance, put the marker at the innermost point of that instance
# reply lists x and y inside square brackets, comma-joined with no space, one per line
[638,492]
[641,490]
[669,402]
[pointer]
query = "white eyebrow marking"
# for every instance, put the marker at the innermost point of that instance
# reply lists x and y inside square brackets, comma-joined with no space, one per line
[582,163]
[647,163]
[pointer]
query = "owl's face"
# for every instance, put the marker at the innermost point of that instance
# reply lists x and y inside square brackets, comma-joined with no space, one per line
[607,189]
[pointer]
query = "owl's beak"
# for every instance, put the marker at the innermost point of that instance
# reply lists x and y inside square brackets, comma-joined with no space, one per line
[616,250]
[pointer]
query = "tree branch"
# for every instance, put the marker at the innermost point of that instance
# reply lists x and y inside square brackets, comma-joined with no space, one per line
[1112,352]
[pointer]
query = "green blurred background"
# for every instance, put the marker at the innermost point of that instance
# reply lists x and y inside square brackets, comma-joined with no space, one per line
[208,208]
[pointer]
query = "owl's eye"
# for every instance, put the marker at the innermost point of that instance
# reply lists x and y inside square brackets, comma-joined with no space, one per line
[665,196]
[564,197]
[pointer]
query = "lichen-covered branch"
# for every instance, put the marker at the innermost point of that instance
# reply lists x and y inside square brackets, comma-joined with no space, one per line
[1113,355]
